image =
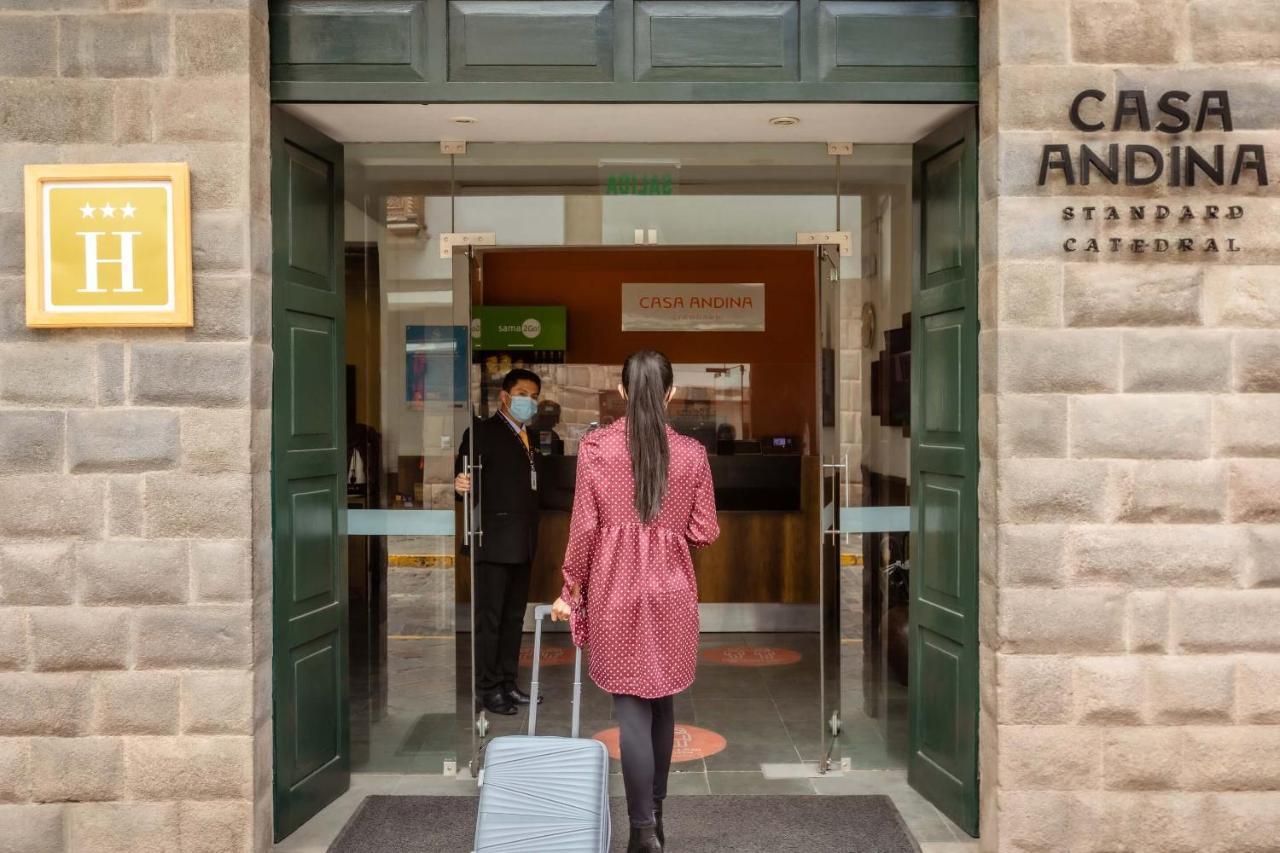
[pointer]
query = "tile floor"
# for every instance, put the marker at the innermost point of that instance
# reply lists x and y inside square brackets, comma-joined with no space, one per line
[767,715]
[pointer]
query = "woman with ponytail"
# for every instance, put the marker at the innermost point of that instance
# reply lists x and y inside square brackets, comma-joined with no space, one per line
[644,497]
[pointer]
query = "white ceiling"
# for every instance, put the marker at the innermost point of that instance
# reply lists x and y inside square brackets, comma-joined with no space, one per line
[859,123]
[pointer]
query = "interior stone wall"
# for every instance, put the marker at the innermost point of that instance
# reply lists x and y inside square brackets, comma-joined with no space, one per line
[134,501]
[1130,487]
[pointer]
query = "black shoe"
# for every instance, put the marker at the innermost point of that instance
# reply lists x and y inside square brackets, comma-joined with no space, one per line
[644,839]
[496,702]
[516,696]
[657,815]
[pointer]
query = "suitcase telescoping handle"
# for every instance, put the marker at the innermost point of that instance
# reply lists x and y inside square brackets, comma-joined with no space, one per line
[540,613]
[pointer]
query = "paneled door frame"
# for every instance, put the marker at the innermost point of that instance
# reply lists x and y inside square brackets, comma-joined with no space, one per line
[943,681]
[310,669]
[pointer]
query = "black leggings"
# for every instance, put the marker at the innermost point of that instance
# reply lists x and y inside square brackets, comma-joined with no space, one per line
[648,733]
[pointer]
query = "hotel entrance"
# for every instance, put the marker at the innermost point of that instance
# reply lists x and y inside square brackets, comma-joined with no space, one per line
[805,294]
[741,328]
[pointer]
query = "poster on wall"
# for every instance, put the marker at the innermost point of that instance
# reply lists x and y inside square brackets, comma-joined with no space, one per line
[108,245]
[434,369]
[693,307]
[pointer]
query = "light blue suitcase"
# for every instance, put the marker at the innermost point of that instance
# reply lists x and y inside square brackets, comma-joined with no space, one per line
[545,794]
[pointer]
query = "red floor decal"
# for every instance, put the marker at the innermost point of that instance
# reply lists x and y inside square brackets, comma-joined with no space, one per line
[750,656]
[551,656]
[692,743]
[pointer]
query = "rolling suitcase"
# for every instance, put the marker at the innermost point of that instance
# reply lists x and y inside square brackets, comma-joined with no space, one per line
[544,794]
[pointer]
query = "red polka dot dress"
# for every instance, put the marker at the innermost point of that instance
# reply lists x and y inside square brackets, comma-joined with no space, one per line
[638,615]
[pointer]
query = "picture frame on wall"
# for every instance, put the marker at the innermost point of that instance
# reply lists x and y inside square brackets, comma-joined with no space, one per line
[435,367]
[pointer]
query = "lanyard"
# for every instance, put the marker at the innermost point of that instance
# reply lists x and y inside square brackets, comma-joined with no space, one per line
[528,451]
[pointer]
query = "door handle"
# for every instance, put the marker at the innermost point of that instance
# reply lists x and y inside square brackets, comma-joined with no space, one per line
[467,498]
[842,491]
[478,512]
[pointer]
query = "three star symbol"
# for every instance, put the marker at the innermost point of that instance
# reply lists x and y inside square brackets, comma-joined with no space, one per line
[108,212]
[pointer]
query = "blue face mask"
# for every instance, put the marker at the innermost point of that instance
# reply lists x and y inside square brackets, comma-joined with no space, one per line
[523,408]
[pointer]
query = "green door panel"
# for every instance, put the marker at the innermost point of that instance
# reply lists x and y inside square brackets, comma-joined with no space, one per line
[379,41]
[943,682]
[722,40]
[501,40]
[308,476]
[606,51]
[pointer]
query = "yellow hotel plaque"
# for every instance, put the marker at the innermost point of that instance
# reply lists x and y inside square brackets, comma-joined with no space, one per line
[109,245]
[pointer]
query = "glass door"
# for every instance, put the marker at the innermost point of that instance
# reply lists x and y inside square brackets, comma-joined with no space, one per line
[407,352]
[834,485]
[473,722]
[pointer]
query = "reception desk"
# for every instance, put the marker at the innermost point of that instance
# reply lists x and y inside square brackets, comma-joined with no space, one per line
[768,509]
[743,483]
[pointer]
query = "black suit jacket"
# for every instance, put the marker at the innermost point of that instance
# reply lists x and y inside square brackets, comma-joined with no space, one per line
[508,504]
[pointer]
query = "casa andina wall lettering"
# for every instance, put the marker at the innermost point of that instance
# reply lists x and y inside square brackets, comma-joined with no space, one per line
[1171,228]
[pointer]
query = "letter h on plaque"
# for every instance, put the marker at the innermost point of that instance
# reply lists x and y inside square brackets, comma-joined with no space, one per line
[108,245]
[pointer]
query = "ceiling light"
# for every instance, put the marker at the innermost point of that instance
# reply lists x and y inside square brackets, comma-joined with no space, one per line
[462,119]
[784,121]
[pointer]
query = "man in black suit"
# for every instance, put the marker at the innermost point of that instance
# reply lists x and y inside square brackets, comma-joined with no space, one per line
[507,495]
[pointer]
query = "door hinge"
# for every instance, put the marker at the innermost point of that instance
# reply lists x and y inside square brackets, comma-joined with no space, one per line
[450,240]
[843,239]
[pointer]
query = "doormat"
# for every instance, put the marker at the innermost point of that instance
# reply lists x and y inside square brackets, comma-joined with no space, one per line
[694,824]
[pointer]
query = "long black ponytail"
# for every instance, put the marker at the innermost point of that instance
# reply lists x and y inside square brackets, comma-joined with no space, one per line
[647,378]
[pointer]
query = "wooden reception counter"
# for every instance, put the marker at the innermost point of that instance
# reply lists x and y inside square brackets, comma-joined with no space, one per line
[768,509]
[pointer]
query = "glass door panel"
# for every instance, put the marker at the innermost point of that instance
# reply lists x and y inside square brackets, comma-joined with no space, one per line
[406,357]
[834,494]
[472,724]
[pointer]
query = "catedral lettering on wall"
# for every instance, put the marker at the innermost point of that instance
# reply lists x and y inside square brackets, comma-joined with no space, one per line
[1181,165]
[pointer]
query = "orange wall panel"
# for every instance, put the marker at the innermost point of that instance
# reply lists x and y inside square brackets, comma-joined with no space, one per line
[588,282]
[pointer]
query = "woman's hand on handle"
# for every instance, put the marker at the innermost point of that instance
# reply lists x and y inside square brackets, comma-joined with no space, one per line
[561,611]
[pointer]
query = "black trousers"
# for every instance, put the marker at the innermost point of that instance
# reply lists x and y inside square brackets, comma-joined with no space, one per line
[647,729]
[501,593]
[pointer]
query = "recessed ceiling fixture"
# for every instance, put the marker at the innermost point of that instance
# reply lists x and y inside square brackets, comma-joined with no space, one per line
[784,121]
[462,119]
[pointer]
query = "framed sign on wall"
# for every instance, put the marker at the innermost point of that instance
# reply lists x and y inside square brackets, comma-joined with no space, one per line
[108,245]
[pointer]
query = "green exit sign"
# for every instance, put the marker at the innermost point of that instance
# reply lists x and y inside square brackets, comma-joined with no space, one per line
[638,184]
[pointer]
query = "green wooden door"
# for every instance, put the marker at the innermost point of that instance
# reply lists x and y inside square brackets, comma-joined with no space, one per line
[308,482]
[943,760]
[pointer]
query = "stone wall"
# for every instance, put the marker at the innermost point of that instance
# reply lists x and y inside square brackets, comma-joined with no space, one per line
[1131,455]
[134,508]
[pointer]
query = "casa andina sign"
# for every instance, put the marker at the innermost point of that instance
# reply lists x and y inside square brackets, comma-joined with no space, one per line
[108,245]
[1173,159]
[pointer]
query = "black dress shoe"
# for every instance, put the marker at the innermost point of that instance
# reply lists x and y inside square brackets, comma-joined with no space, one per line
[516,696]
[644,839]
[657,816]
[496,702]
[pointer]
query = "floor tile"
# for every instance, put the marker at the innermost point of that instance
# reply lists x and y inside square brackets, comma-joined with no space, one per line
[713,711]
[437,786]
[753,782]
[751,756]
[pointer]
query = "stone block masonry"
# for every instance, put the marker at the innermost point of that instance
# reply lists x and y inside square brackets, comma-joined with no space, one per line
[128,518]
[1132,450]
